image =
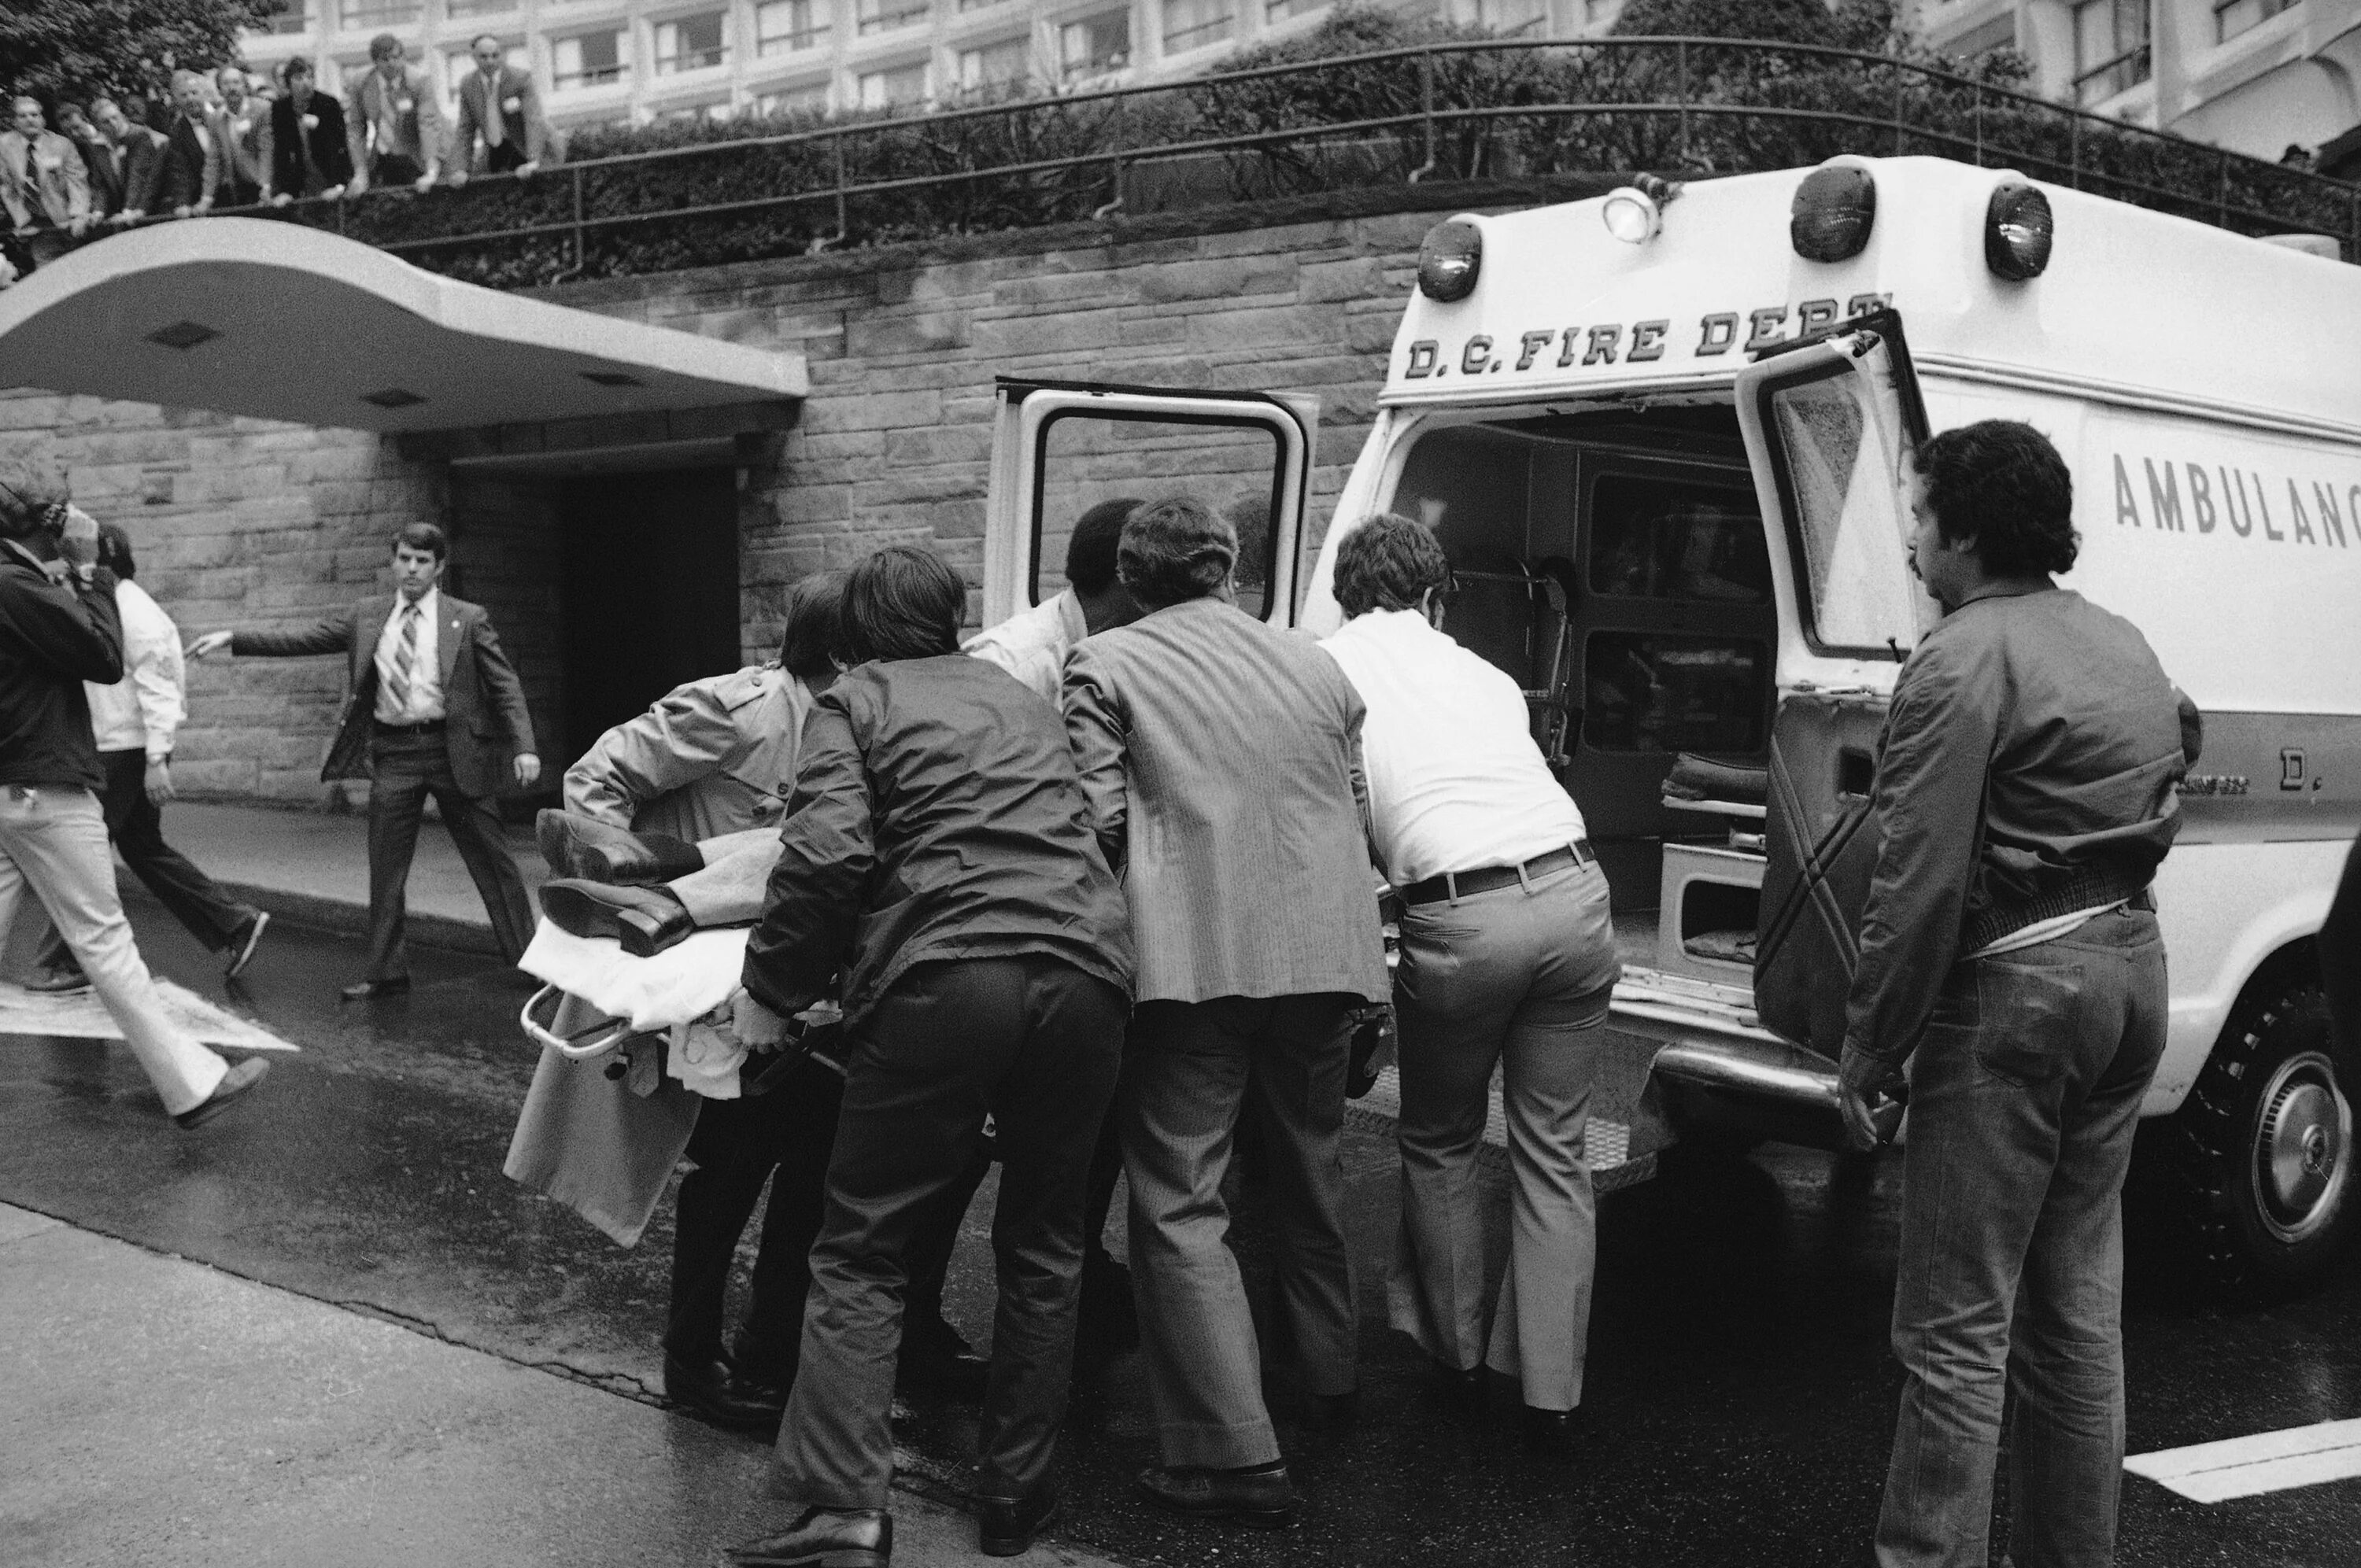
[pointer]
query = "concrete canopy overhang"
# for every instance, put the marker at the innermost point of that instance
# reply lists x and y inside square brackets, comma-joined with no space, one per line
[278,321]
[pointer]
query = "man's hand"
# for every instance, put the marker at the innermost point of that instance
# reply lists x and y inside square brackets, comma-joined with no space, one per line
[527,168]
[528,769]
[457,178]
[76,228]
[426,182]
[210,643]
[1864,1080]
[160,781]
[183,211]
[78,541]
[756,1026]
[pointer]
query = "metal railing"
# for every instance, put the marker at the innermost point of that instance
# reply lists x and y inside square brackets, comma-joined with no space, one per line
[1691,106]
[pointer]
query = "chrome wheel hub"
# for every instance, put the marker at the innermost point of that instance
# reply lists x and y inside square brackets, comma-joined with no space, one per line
[2302,1147]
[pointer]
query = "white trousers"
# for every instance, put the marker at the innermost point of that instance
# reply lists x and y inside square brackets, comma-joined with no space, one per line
[54,838]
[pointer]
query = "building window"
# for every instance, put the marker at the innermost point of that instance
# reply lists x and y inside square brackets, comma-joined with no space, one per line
[1000,64]
[689,43]
[899,87]
[1984,37]
[1599,12]
[805,98]
[887,15]
[588,60]
[478,8]
[1282,10]
[683,113]
[979,5]
[1095,45]
[1509,17]
[2110,48]
[357,15]
[783,27]
[2232,17]
[1194,24]
[294,17]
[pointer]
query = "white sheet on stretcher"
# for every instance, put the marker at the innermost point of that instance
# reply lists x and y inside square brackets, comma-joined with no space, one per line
[676,987]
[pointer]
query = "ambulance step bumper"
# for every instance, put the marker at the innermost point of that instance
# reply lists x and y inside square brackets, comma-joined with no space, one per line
[1758,1087]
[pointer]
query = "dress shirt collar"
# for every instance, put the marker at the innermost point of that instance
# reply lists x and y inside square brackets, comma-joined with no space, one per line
[430,604]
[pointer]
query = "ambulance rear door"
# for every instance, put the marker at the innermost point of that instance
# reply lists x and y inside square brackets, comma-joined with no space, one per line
[1830,426]
[1061,447]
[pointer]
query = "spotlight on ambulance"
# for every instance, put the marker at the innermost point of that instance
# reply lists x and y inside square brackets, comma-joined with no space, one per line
[1634,213]
[2017,231]
[1450,259]
[1832,213]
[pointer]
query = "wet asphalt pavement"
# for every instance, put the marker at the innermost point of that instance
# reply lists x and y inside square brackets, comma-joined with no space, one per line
[1740,1393]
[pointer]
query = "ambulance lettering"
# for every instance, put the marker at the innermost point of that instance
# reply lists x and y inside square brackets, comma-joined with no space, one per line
[2316,512]
[1586,344]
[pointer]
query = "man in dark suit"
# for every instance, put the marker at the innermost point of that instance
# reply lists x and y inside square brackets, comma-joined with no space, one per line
[139,153]
[194,150]
[1221,753]
[500,107]
[98,156]
[310,154]
[435,709]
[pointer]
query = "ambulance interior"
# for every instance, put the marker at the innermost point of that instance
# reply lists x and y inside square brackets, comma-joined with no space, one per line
[1615,564]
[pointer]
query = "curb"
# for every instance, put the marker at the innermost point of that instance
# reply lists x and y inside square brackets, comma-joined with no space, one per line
[342,916]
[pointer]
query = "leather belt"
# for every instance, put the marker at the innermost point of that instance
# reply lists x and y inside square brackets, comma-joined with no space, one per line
[424,727]
[1484,879]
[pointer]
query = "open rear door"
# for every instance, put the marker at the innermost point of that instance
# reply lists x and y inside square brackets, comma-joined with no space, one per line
[1061,447]
[1830,425]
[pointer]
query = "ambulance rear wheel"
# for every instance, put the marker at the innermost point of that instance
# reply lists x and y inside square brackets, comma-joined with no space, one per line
[2263,1150]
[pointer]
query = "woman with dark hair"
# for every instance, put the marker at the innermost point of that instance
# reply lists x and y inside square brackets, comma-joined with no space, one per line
[939,856]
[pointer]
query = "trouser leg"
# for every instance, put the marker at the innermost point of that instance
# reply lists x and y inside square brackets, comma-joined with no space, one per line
[1296,1090]
[732,1158]
[915,1096]
[1540,1330]
[935,1235]
[804,1136]
[56,839]
[397,797]
[1184,1080]
[1047,1110]
[137,825]
[483,845]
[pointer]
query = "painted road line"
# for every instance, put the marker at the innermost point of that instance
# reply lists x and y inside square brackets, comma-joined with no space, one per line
[2266,1462]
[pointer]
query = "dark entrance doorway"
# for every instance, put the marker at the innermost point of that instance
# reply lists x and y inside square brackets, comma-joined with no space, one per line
[650,590]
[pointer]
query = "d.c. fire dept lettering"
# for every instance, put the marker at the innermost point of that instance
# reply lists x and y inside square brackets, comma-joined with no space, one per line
[1584,345]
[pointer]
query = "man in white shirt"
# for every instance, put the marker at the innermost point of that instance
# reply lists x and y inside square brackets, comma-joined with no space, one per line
[134,721]
[1507,958]
[1033,646]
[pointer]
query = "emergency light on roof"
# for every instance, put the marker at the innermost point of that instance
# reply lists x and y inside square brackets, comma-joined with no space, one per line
[2018,232]
[1833,209]
[1634,213]
[1449,260]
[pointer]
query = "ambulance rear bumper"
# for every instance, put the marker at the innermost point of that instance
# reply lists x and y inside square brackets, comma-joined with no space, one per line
[1757,1087]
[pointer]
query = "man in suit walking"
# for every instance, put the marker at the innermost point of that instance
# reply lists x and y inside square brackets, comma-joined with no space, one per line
[44,184]
[140,156]
[245,135]
[1218,757]
[193,150]
[434,708]
[500,107]
[310,154]
[396,125]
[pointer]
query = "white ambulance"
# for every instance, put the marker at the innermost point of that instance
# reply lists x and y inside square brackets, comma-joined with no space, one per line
[1663,435]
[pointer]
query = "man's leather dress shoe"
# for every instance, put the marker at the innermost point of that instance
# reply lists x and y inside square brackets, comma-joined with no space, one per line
[579,846]
[1009,1524]
[936,1360]
[370,990]
[716,1391]
[1261,1496]
[822,1538]
[646,920]
[241,1076]
[1553,1434]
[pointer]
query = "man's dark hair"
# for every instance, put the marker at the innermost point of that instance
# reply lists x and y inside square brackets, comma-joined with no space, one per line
[902,603]
[1174,551]
[385,45]
[814,611]
[2000,482]
[424,536]
[67,107]
[295,65]
[1091,552]
[479,37]
[114,551]
[31,491]
[1386,564]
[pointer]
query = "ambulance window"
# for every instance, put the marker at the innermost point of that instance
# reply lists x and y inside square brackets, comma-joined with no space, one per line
[1850,523]
[1673,539]
[1660,692]
[1088,459]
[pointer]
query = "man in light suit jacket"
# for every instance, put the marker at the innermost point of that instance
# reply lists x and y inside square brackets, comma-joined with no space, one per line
[500,107]
[103,166]
[435,709]
[1218,755]
[396,124]
[44,184]
[245,131]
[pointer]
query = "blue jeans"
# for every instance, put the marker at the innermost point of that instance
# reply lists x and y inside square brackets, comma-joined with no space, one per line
[2025,1093]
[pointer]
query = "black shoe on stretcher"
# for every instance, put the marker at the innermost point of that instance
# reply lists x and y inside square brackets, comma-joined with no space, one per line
[583,847]
[646,920]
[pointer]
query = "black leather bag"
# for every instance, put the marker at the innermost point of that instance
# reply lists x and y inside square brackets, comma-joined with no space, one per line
[1821,837]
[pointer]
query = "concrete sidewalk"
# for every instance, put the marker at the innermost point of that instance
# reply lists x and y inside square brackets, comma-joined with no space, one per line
[157,1412]
[312,867]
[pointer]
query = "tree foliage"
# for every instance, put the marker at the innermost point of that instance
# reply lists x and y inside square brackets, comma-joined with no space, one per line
[80,49]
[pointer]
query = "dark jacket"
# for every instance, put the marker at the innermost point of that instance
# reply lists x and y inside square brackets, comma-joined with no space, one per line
[142,158]
[2028,771]
[53,639]
[104,162]
[936,815]
[189,171]
[486,725]
[332,156]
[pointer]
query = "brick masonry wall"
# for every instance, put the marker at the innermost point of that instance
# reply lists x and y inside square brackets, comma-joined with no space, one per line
[242,521]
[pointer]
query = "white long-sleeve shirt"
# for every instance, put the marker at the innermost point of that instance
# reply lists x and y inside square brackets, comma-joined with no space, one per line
[144,709]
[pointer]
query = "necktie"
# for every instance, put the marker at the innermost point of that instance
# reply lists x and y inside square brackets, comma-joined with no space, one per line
[493,130]
[405,655]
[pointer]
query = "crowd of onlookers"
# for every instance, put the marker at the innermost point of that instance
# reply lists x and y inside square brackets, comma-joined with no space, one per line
[73,169]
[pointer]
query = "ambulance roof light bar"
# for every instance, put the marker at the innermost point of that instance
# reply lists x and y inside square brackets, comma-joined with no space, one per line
[1834,210]
[1634,213]
[2018,229]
